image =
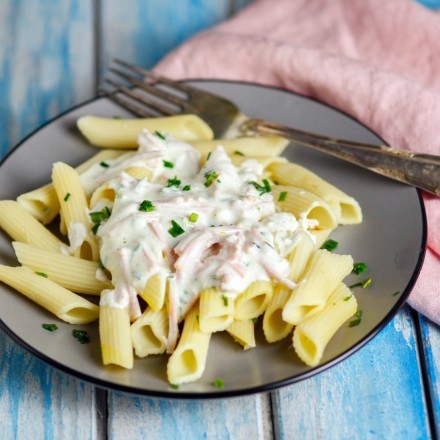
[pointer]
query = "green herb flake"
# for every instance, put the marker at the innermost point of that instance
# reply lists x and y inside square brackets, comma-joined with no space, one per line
[96,217]
[67,197]
[174,386]
[168,164]
[193,217]
[225,300]
[210,176]
[101,265]
[358,314]
[359,268]
[355,322]
[104,164]
[50,327]
[347,298]
[255,320]
[117,117]
[209,155]
[95,228]
[81,335]
[105,213]
[238,153]
[267,185]
[41,274]
[282,196]
[176,229]
[160,135]
[146,206]
[173,182]
[362,284]
[186,188]
[330,245]
[218,383]
[396,293]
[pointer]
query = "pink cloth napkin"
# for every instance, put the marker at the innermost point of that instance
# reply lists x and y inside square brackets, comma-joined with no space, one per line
[378,61]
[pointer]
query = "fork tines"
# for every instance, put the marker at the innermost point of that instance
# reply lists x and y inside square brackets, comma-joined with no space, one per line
[145,93]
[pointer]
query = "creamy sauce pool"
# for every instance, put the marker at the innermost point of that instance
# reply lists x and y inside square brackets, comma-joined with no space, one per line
[199,226]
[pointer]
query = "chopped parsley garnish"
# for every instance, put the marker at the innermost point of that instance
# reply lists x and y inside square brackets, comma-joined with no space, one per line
[225,300]
[81,335]
[218,383]
[282,196]
[146,206]
[238,153]
[362,284]
[330,245]
[347,298]
[359,268]
[95,228]
[96,216]
[209,155]
[42,274]
[105,212]
[50,327]
[186,188]
[267,185]
[176,229]
[210,176]
[358,318]
[396,293]
[168,164]
[265,188]
[174,386]
[159,135]
[193,217]
[104,164]
[255,320]
[173,182]
[101,265]
[67,197]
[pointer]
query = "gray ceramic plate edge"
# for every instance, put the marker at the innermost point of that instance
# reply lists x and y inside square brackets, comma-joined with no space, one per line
[403,262]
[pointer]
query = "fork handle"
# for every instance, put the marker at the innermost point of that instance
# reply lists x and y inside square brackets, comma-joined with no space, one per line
[419,170]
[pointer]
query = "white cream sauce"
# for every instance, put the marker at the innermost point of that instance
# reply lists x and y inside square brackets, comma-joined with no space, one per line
[230,236]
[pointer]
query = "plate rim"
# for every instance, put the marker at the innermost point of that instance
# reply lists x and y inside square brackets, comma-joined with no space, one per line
[221,393]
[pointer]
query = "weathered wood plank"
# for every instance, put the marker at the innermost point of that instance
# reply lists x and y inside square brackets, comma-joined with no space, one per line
[39,402]
[140,417]
[143,32]
[46,66]
[431,352]
[376,393]
[46,62]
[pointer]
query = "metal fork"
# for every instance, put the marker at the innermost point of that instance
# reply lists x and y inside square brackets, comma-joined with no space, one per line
[160,96]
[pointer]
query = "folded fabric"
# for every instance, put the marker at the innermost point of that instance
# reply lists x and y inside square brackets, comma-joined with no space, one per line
[377,61]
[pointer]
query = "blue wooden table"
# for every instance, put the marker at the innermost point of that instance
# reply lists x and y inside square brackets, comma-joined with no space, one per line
[53,55]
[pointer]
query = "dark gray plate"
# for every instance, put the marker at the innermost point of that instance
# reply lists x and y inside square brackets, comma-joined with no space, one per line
[391,240]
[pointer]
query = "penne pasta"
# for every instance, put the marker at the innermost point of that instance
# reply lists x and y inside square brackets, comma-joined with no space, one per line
[21,226]
[259,146]
[73,273]
[347,209]
[155,291]
[253,301]
[216,311]
[115,336]
[123,133]
[64,304]
[43,202]
[243,332]
[323,273]
[312,335]
[149,332]
[187,363]
[305,205]
[74,209]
